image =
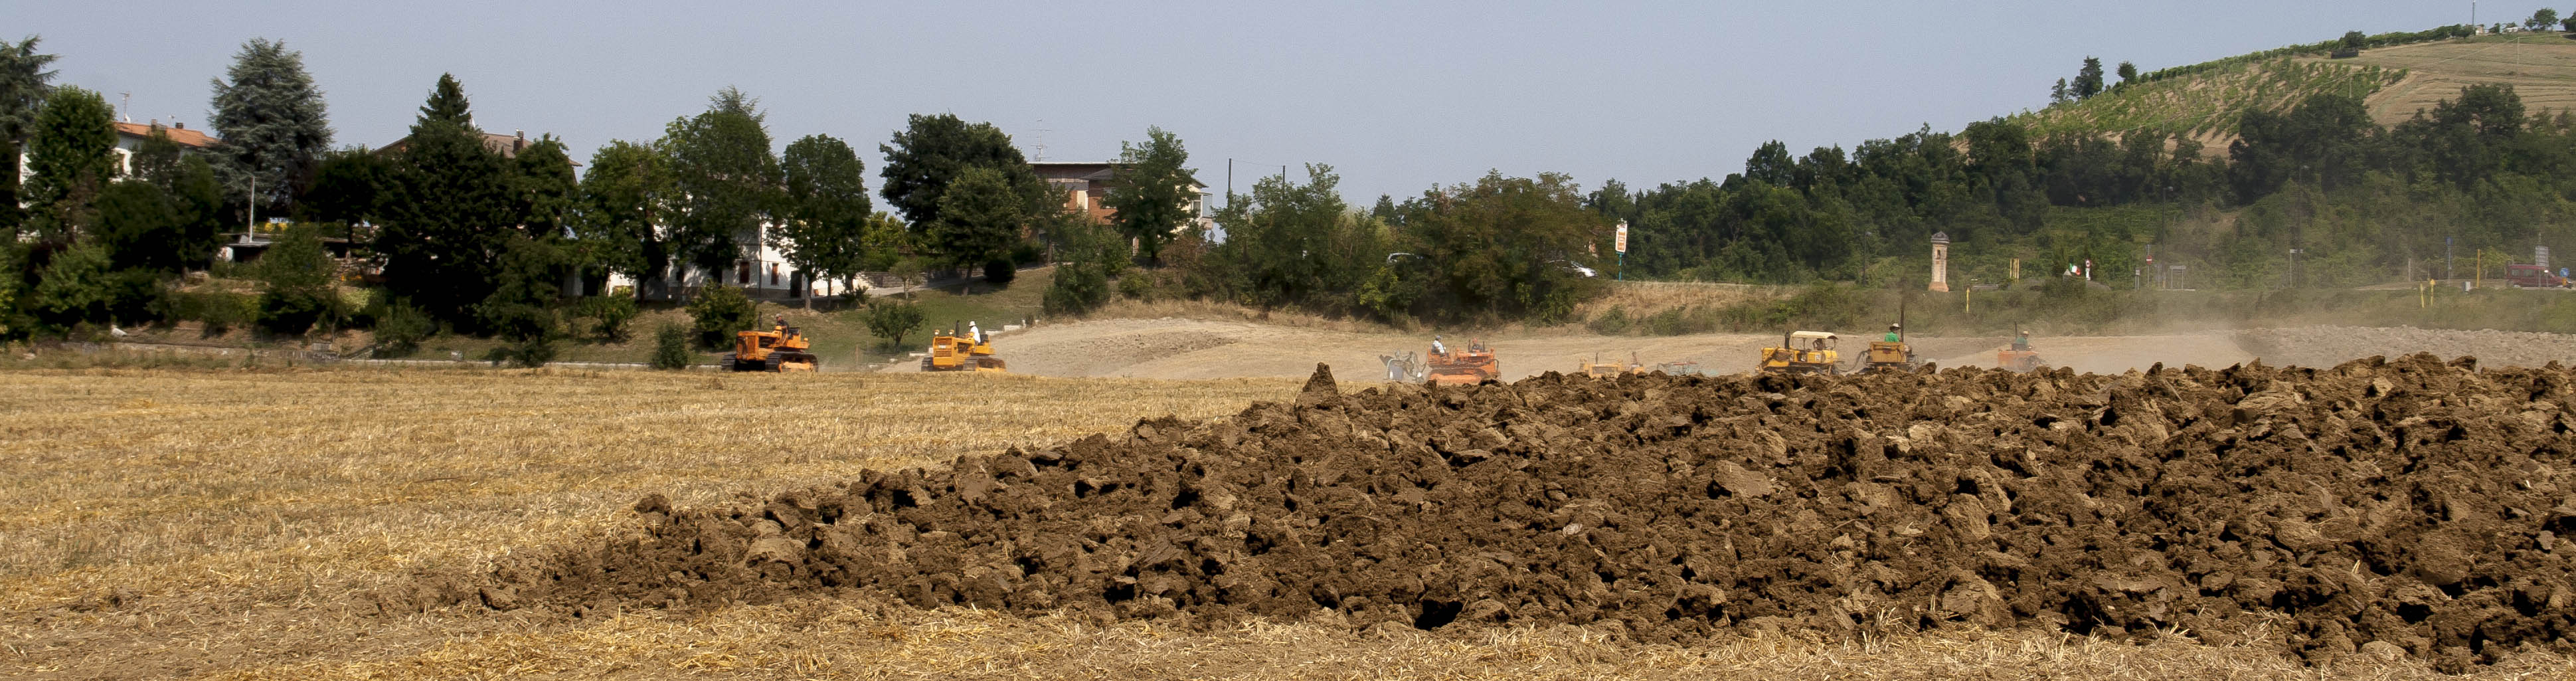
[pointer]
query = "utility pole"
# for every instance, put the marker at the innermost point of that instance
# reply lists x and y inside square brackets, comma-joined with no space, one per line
[2446,257]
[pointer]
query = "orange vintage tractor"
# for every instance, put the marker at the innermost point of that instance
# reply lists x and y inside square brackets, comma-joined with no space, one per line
[954,350]
[2020,356]
[1471,366]
[782,348]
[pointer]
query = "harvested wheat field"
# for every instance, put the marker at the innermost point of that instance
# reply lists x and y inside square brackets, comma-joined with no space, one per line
[2374,520]
[2540,66]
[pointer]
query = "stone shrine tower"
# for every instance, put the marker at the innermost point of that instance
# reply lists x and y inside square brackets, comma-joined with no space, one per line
[1941,261]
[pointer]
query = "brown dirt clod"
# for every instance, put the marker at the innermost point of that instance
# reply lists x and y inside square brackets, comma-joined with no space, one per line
[2376,508]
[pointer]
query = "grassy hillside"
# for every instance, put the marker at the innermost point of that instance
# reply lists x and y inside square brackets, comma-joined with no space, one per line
[2207,104]
[2204,101]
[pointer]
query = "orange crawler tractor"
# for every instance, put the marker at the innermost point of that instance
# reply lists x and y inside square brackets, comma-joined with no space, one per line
[1471,366]
[782,348]
[2020,356]
[955,350]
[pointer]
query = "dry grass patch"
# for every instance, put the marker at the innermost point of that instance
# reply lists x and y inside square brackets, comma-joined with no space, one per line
[1641,298]
[2540,66]
[865,639]
[140,496]
[1130,308]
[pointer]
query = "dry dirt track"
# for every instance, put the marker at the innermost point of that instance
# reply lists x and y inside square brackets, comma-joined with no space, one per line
[1191,349]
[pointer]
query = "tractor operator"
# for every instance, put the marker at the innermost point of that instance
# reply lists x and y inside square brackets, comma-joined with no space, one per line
[2021,340]
[1892,330]
[1436,347]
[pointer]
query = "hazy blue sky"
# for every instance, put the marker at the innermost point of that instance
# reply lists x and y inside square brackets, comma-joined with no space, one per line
[1396,96]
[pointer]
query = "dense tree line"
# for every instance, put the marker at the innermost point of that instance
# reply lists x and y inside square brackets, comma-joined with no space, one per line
[1497,248]
[483,242]
[91,241]
[968,192]
[467,237]
[2475,167]
[475,239]
[478,241]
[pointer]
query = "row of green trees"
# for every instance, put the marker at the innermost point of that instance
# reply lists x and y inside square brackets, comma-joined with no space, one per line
[2358,203]
[450,212]
[1497,248]
[92,240]
[480,240]
[2475,168]
[2088,82]
[483,241]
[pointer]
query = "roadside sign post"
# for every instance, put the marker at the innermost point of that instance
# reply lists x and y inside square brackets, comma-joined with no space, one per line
[1620,244]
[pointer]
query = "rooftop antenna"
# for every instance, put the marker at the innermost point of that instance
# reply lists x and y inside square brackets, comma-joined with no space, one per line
[1037,149]
[124,103]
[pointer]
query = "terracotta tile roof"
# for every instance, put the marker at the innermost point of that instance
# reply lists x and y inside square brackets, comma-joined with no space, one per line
[183,136]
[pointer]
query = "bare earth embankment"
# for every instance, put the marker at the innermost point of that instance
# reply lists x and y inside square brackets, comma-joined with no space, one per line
[2375,509]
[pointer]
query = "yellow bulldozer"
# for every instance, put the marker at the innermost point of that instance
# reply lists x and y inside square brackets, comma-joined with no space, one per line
[1804,352]
[955,350]
[1890,355]
[781,348]
[1600,369]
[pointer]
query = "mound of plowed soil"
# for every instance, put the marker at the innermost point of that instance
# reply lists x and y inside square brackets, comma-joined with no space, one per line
[2417,504]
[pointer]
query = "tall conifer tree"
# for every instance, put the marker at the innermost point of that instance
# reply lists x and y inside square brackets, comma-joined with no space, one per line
[273,123]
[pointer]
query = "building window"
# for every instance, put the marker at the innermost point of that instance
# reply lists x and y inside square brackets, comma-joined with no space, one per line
[741,271]
[773,274]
